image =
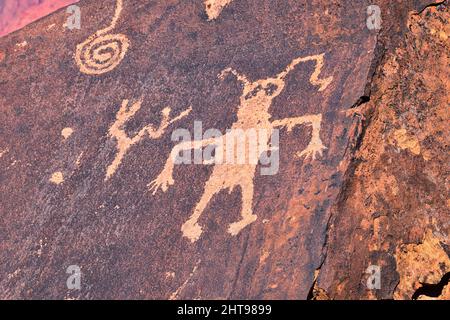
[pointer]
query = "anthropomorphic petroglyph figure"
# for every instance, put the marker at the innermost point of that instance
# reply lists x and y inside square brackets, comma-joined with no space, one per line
[124,142]
[253,112]
[215,7]
[102,51]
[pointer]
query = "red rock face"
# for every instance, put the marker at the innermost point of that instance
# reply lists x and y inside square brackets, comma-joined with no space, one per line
[15,14]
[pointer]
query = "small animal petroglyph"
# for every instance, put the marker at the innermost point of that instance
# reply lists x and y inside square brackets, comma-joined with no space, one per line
[215,7]
[253,112]
[124,142]
[102,52]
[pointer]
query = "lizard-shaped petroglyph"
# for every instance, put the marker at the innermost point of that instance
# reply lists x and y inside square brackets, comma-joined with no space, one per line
[215,7]
[124,142]
[102,52]
[253,112]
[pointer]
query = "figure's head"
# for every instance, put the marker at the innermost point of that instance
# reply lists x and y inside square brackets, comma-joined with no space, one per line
[266,87]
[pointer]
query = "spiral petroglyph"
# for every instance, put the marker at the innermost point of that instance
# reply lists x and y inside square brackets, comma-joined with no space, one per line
[102,51]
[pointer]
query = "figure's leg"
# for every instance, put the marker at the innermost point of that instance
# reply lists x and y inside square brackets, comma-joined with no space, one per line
[191,229]
[248,217]
[115,164]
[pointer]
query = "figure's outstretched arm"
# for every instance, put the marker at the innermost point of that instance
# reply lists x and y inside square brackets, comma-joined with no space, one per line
[165,178]
[315,145]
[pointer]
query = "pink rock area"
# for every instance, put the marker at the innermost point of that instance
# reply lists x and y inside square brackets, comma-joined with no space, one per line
[15,14]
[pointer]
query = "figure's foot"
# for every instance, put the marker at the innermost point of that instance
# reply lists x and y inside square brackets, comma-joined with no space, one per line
[237,227]
[163,181]
[192,231]
[312,151]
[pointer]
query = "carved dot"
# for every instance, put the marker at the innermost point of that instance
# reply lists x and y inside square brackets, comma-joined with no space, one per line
[66,132]
[57,178]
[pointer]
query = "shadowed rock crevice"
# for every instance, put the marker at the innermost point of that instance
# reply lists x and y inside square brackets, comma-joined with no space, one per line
[432,290]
